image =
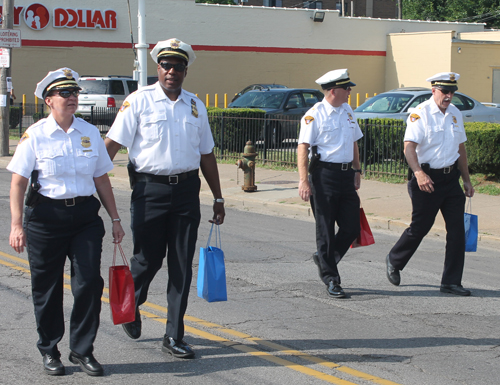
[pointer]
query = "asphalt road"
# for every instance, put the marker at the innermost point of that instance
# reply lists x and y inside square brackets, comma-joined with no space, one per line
[278,325]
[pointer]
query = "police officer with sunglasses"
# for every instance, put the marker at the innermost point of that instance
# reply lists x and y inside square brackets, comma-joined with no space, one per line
[67,162]
[435,151]
[166,131]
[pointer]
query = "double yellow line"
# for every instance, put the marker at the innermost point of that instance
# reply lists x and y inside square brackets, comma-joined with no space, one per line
[250,345]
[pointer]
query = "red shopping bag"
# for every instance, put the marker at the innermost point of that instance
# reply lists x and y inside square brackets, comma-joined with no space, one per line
[121,291]
[365,237]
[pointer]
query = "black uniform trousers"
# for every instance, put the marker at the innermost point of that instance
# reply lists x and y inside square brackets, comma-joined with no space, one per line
[448,197]
[165,221]
[55,232]
[335,200]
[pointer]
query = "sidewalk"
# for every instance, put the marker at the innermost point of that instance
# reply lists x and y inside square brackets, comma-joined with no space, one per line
[387,206]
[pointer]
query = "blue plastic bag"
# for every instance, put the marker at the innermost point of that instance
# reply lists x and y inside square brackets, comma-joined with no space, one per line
[211,282]
[471,229]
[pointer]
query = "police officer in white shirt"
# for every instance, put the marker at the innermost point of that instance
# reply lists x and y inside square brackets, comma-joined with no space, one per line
[68,162]
[166,131]
[331,126]
[435,151]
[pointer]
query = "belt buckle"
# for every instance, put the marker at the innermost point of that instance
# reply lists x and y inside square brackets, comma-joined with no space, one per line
[173,179]
[344,167]
[69,205]
[447,170]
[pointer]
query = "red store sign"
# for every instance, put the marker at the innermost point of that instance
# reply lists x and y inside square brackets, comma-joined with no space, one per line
[37,17]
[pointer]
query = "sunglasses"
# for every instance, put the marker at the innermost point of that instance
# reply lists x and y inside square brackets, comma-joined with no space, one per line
[347,88]
[446,92]
[67,93]
[179,67]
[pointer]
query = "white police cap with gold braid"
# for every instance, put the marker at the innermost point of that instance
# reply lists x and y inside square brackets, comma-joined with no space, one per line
[445,80]
[173,47]
[335,78]
[60,79]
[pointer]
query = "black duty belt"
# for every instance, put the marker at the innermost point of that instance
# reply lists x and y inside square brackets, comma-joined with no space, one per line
[165,179]
[336,166]
[68,202]
[445,170]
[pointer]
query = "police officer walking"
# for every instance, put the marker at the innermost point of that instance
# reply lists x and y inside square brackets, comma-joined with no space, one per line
[68,162]
[435,151]
[166,131]
[331,128]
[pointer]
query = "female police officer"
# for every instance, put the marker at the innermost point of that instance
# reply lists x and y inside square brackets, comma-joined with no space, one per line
[61,220]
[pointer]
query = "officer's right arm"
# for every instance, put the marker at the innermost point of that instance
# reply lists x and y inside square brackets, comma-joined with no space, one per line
[17,238]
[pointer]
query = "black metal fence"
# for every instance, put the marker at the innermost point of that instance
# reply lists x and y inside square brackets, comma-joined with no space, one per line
[274,137]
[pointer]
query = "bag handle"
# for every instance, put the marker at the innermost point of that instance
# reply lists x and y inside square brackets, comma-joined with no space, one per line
[468,206]
[218,242]
[122,254]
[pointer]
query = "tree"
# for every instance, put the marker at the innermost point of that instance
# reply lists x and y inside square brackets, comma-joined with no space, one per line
[472,11]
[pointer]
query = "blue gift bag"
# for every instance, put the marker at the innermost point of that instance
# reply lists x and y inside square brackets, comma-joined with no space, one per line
[211,282]
[471,229]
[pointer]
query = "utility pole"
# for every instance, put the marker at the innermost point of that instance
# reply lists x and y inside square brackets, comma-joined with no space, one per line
[7,23]
[142,47]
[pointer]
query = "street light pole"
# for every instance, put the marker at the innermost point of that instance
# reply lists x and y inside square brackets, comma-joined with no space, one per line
[142,46]
[7,23]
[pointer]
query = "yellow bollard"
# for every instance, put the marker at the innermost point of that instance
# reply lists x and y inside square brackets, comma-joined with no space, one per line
[375,94]
[357,100]
[216,104]
[366,96]
[349,100]
[36,104]
[24,104]
[207,101]
[225,100]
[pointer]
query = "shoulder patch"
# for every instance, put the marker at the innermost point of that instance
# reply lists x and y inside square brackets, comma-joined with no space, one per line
[24,137]
[414,117]
[308,119]
[124,106]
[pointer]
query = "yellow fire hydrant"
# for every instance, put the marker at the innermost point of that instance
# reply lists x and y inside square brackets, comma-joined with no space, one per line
[247,164]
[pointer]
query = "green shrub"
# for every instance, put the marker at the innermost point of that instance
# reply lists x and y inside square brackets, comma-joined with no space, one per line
[483,144]
[382,140]
[14,117]
[233,127]
[37,116]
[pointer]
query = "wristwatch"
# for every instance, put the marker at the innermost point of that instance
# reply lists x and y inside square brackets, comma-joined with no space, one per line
[359,170]
[219,200]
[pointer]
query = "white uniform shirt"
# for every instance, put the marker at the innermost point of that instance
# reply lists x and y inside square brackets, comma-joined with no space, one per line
[163,137]
[333,129]
[437,135]
[67,161]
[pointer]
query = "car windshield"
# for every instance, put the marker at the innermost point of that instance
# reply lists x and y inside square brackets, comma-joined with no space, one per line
[259,99]
[385,103]
[101,87]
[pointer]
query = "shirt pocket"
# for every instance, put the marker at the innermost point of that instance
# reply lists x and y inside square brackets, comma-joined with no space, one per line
[192,128]
[329,134]
[86,161]
[436,134]
[51,162]
[151,127]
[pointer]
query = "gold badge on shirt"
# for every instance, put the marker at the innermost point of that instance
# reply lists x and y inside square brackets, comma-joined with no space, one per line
[24,137]
[308,119]
[454,120]
[124,106]
[414,117]
[85,141]
[194,109]
[350,117]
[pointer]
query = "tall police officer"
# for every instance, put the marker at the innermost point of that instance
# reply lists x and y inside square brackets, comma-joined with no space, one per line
[435,151]
[68,163]
[330,125]
[168,137]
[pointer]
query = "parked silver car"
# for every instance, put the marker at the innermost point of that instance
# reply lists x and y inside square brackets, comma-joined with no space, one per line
[105,92]
[396,104]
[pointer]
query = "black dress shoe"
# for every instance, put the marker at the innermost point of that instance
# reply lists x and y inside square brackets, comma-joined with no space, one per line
[316,261]
[455,289]
[53,366]
[334,290]
[133,329]
[178,349]
[88,364]
[392,273]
